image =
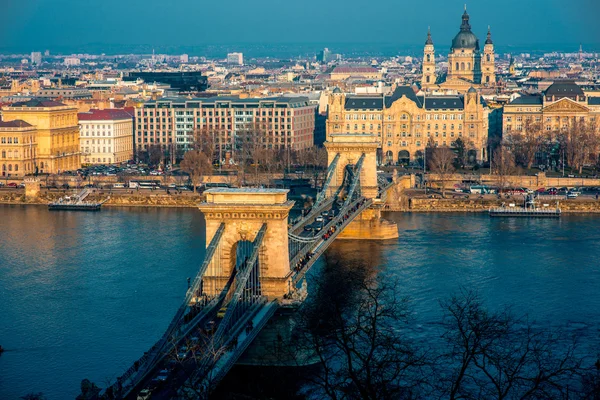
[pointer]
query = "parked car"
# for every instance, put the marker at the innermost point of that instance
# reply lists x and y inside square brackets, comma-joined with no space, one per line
[11,185]
[319,219]
[572,195]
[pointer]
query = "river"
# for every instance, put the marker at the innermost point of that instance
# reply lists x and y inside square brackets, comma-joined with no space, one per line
[82,295]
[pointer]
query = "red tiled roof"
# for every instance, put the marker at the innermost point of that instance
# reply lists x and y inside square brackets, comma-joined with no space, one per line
[105,115]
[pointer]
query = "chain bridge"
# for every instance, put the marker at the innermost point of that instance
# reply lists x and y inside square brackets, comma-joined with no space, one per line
[255,262]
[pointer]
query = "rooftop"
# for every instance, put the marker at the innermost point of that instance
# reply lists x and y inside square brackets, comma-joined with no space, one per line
[104,115]
[38,102]
[532,100]
[17,123]
[564,88]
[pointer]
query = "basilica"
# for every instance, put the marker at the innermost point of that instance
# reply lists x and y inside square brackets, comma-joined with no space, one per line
[468,66]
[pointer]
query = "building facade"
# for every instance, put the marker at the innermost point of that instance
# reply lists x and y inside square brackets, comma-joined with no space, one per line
[561,104]
[106,136]
[171,123]
[235,58]
[57,133]
[18,149]
[405,123]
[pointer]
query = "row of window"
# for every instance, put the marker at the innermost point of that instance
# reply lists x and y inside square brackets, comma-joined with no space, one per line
[9,140]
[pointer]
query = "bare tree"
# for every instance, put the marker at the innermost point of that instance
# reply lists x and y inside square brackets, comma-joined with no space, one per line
[579,141]
[527,143]
[461,148]
[155,155]
[442,164]
[196,164]
[354,334]
[503,165]
[495,355]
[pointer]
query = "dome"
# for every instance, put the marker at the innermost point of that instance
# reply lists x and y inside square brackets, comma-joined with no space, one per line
[472,90]
[337,90]
[465,39]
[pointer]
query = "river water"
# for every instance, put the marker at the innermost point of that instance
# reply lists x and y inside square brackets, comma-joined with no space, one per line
[82,295]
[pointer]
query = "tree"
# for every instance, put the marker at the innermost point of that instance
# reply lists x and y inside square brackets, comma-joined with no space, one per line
[503,165]
[461,148]
[579,141]
[496,355]
[527,143]
[155,155]
[196,164]
[441,163]
[353,328]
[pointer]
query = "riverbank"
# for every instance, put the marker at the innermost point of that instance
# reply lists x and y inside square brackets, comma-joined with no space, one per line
[136,199]
[581,206]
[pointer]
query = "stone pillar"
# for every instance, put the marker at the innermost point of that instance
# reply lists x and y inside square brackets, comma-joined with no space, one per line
[244,211]
[370,225]
[32,188]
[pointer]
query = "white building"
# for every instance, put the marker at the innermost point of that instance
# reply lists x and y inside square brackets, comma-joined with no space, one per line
[235,58]
[106,136]
[72,61]
[36,57]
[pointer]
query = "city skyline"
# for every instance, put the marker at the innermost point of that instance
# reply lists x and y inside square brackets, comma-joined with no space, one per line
[138,26]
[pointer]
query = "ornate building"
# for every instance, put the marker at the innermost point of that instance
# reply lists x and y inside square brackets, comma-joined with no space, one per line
[555,109]
[56,134]
[404,123]
[467,66]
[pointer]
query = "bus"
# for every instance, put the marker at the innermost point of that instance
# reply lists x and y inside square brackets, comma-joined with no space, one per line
[144,184]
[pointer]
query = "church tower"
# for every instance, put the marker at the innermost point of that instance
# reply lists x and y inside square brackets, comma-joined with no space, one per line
[428,79]
[488,66]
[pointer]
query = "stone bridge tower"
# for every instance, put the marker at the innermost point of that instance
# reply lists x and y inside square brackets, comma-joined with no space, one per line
[244,211]
[350,148]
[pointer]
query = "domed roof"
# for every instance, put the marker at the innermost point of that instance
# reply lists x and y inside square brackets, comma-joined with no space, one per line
[465,39]
[472,90]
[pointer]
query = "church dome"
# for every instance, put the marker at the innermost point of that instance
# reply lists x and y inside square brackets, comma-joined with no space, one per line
[465,39]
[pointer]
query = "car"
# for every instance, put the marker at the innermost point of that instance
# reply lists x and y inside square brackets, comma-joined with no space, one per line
[119,185]
[221,312]
[325,213]
[319,219]
[163,375]
[571,195]
[144,394]
[182,355]
[11,185]
[308,227]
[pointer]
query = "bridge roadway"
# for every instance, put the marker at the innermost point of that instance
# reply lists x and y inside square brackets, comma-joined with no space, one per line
[190,357]
[203,343]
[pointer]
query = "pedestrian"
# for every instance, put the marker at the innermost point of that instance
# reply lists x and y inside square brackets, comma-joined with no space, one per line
[596,195]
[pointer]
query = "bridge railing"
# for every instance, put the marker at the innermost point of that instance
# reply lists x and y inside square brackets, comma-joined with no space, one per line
[320,246]
[330,173]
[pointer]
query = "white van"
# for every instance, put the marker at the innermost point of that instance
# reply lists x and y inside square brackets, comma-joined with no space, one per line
[118,186]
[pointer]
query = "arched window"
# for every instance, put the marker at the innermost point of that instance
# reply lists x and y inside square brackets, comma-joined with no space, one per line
[10,167]
[16,167]
[487,57]
[427,79]
[462,66]
[3,153]
[487,79]
[468,66]
[428,57]
[457,66]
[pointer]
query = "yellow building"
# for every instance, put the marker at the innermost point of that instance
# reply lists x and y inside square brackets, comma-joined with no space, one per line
[552,110]
[56,133]
[467,65]
[17,149]
[404,123]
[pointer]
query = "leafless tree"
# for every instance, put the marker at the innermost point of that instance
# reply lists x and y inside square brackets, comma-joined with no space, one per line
[353,330]
[526,143]
[155,155]
[196,164]
[503,165]
[495,355]
[442,164]
[579,141]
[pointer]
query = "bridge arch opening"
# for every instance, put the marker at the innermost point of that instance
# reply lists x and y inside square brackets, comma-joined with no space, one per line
[243,250]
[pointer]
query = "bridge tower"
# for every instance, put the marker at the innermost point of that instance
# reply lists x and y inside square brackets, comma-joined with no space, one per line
[244,212]
[349,148]
[345,149]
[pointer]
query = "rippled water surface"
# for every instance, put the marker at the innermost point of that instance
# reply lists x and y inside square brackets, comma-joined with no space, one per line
[85,294]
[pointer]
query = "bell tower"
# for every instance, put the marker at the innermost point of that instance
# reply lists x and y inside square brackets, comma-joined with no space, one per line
[488,67]
[428,78]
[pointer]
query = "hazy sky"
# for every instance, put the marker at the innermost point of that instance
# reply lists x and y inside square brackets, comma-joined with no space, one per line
[27,25]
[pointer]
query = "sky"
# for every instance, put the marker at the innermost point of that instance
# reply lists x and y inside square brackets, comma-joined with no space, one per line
[78,25]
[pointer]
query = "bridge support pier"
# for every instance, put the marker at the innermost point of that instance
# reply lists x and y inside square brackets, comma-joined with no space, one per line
[370,225]
[278,345]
